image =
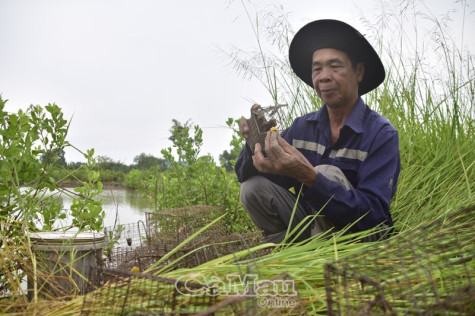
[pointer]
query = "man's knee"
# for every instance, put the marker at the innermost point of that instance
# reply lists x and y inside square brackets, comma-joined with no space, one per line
[250,189]
[334,174]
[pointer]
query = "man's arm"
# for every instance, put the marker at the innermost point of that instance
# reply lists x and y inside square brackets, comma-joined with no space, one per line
[244,167]
[370,199]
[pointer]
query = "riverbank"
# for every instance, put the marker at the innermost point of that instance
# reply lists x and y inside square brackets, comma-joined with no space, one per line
[105,185]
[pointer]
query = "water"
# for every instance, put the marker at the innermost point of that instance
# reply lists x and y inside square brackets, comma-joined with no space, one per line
[128,206]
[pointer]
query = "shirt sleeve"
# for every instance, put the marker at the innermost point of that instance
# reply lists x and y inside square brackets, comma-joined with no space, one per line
[244,166]
[368,203]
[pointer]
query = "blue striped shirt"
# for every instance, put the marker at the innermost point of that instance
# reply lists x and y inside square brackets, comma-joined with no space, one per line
[367,151]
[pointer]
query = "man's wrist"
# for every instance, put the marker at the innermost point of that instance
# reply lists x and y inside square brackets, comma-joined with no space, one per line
[310,178]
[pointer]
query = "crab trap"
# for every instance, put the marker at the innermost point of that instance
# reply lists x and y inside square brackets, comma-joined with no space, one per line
[262,120]
[140,245]
[120,291]
[129,293]
[276,296]
[426,271]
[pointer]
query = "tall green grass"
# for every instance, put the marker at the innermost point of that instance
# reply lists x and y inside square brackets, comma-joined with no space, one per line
[428,95]
[429,98]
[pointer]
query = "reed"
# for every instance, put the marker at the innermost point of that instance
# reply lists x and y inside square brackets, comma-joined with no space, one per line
[430,100]
[431,103]
[428,95]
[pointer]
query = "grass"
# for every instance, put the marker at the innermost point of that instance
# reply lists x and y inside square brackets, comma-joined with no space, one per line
[430,100]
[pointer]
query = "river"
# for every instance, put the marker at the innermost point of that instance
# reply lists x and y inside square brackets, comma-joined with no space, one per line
[128,206]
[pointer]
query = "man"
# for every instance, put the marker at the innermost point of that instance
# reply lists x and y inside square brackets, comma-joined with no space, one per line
[344,158]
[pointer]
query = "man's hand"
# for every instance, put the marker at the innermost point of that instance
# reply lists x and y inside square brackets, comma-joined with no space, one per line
[283,159]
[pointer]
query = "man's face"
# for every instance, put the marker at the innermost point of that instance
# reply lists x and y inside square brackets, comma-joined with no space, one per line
[334,78]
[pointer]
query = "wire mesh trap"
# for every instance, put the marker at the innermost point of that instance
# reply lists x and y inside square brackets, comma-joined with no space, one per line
[128,293]
[123,292]
[425,271]
[276,296]
[175,225]
[126,245]
[143,244]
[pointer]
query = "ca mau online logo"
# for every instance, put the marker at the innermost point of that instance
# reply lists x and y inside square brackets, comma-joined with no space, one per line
[234,285]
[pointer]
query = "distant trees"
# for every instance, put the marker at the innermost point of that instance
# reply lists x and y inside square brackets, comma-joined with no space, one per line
[140,162]
[54,157]
[177,163]
[186,146]
[74,165]
[107,163]
[144,161]
[226,159]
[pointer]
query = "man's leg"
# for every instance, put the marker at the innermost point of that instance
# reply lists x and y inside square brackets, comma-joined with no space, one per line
[270,207]
[321,224]
[334,174]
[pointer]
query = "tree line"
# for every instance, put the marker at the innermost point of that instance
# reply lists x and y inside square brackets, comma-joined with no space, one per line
[142,161]
[116,172]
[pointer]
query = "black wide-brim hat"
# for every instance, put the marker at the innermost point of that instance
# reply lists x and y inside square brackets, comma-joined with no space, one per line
[338,35]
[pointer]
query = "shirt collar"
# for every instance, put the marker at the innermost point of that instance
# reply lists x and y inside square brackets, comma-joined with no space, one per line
[354,120]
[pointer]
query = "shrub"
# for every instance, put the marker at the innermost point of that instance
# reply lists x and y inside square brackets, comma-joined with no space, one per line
[31,144]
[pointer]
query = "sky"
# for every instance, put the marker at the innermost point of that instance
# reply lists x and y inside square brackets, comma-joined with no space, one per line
[121,70]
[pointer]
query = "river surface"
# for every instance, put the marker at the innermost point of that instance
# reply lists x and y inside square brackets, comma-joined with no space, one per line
[128,206]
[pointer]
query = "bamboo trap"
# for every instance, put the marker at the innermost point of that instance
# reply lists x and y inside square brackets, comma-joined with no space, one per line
[426,269]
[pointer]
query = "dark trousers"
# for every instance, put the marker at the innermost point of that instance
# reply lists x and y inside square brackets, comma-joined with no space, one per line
[270,206]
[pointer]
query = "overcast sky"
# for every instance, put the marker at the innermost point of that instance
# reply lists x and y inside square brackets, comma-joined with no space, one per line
[123,69]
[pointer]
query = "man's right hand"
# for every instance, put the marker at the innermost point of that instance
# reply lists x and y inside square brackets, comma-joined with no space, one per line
[283,159]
